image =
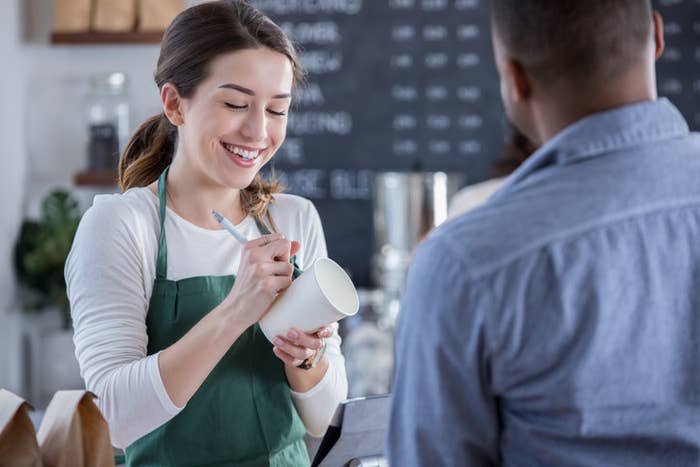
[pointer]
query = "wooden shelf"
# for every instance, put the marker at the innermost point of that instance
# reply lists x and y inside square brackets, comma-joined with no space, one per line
[92,38]
[101,178]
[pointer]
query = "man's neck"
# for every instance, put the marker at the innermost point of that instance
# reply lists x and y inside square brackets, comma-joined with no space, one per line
[569,102]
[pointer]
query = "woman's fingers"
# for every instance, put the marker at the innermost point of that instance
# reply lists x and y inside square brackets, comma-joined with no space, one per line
[324,331]
[267,251]
[276,284]
[302,339]
[295,351]
[272,247]
[279,250]
[263,240]
[277,268]
[297,345]
[263,249]
[262,276]
[286,358]
[276,250]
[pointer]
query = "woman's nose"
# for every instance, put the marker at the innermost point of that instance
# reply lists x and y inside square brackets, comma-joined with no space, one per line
[255,126]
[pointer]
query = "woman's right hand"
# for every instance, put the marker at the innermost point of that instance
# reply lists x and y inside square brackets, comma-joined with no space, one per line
[264,272]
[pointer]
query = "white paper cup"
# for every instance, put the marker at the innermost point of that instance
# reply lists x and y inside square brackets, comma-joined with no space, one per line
[321,295]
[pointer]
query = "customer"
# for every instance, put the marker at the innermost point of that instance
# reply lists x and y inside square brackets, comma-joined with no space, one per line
[165,303]
[558,324]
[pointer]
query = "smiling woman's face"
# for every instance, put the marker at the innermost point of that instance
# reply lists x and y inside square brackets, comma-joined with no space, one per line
[237,118]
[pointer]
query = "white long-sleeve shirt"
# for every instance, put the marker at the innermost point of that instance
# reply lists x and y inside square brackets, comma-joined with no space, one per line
[109,275]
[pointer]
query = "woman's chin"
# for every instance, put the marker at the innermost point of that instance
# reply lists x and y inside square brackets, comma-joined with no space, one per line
[238,181]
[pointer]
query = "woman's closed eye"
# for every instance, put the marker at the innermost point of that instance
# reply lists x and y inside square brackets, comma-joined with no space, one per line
[279,113]
[234,106]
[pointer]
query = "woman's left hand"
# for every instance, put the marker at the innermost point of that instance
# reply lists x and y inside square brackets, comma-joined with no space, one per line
[297,345]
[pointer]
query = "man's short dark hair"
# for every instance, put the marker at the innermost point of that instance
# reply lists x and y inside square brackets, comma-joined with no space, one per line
[579,39]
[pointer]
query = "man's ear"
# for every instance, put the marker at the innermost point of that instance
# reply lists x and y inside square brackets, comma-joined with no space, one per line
[172,104]
[658,34]
[518,80]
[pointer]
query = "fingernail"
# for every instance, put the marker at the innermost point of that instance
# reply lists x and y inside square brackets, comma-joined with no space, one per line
[278,342]
[293,334]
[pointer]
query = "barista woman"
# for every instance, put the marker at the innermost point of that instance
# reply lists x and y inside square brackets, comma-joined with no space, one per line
[165,303]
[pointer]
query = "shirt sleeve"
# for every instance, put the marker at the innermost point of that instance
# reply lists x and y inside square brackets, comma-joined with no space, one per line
[314,241]
[442,412]
[317,405]
[105,282]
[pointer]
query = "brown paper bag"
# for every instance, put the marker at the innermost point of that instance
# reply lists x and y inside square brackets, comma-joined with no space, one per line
[156,15]
[18,445]
[73,432]
[114,16]
[71,15]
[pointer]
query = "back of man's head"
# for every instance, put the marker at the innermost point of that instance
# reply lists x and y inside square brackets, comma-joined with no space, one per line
[576,39]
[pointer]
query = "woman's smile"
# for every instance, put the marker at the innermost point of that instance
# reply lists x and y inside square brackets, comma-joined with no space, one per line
[243,156]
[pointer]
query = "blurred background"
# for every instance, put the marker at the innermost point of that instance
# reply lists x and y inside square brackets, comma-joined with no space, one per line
[401,109]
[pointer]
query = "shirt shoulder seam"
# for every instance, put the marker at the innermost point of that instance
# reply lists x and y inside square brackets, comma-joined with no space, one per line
[477,274]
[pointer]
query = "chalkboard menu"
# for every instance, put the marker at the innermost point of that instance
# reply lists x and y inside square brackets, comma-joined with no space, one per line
[410,85]
[678,69]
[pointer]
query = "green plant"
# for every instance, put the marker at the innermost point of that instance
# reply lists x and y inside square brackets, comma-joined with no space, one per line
[41,251]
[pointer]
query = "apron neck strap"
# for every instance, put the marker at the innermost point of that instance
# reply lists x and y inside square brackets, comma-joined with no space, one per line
[162,262]
[261,226]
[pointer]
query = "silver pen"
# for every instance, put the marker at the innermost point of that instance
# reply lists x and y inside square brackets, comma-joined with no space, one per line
[229,226]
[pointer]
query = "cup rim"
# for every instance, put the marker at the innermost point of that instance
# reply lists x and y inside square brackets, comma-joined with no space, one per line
[356,297]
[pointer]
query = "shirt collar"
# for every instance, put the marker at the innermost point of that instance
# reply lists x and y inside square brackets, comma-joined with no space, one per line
[604,132]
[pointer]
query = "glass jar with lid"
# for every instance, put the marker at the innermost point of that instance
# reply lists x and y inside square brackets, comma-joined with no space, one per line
[107,109]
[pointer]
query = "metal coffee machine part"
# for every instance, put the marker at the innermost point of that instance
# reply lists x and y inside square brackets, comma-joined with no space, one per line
[407,206]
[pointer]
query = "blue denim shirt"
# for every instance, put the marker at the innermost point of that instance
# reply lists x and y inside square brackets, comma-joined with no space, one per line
[559,324]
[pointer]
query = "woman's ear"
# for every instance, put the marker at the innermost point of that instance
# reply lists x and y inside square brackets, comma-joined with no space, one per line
[172,104]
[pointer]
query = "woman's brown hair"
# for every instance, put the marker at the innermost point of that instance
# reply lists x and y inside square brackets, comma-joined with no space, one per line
[193,40]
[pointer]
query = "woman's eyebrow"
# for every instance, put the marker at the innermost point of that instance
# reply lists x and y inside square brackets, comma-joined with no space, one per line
[250,92]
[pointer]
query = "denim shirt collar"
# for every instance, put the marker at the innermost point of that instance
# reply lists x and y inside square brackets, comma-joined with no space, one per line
[602,133]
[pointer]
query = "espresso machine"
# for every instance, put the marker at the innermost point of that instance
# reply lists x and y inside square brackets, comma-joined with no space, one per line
[406,207]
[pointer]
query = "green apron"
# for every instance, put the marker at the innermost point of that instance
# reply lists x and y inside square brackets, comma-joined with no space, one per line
[243,414]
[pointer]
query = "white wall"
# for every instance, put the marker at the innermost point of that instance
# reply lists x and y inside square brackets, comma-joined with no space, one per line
[12,178]
[43,132]
[57,79]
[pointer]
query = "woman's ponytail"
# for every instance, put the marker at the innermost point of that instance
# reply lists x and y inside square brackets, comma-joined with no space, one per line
[148,153]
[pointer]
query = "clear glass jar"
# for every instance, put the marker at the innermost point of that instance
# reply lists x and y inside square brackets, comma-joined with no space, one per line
[368,343]
[107,109]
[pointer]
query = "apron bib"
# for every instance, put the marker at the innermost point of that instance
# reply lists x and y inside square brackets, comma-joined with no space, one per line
[243,414]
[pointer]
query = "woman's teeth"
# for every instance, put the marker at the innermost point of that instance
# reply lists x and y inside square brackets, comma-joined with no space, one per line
[249,155]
